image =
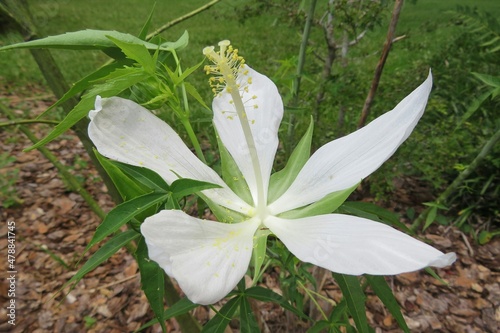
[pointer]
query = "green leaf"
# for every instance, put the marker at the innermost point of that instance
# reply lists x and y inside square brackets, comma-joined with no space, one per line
[381,288]
[248,323]
[219,323]
[355,298]
[473,107]
[184,186]
[232,175]
[92,40]
[103,254]
[127,188]
[326,205]
[129,76]
[267,295]
[152,282]
[183,306]
[85,83]
[179,44]
[431,217]
[145,28]
[373,212]
[146,177]
[123,213]
[493,81]
[280,181]
[191,90]
[137,52]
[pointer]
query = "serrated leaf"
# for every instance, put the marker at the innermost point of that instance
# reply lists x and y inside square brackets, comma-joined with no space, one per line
[381,288]
[152,282]
[248,323]
[219,323]
[145,176]
[355,298]
[326,205]
[280,181]
[107,89]
[267,295]
[91,39]
[123,213]
[138,53]
[103,254]
[85,83]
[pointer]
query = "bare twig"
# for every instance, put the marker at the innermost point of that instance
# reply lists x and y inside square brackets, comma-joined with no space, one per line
[180,19]
[380,66]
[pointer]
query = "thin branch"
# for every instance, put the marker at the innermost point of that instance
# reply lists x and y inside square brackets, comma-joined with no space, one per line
[180,19]
[380,66]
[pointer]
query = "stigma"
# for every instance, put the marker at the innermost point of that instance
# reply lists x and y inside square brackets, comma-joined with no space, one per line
[228,69]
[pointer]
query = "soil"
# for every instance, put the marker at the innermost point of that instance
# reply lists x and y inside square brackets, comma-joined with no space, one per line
[53,226]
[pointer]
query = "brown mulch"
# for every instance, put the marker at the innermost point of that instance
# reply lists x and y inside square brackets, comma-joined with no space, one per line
[54,225]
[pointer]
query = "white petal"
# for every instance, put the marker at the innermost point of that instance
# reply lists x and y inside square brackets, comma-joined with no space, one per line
[207,258]
[344,162]
[125,131]
[264,114]
[352,245]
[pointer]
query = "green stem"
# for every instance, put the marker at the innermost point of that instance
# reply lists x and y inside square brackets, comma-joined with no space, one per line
[192,136]
[185,117]
[298,77]
[28,121]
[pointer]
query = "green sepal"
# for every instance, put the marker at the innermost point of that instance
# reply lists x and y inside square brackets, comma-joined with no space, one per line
[223,214]
[152,281]
[384,292]
[355,298]
[259,252]
[280,181]
[326,205]
[219,323]
[232,175]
